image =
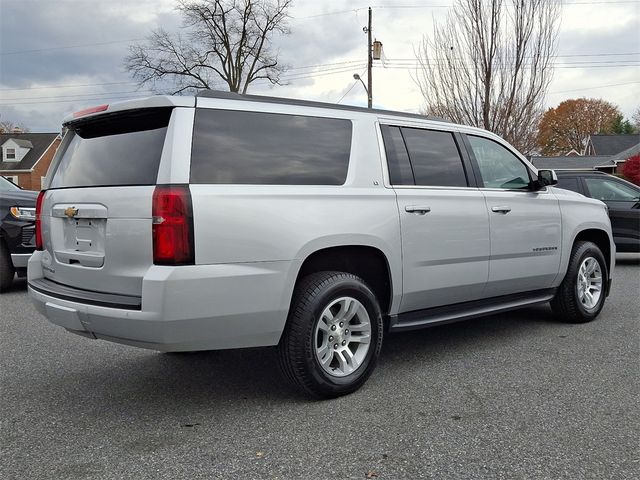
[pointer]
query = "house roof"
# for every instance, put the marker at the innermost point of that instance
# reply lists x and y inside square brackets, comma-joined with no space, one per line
[20,142]
[626,154]
[572,163]
[613,144]
[39,143]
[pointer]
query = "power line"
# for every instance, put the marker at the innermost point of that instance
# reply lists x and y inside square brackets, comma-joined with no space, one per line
[583,2]
[68,86]
[596,54]
[408,67]
[68,101]
[391,7]
[324,72]
[444,61]
[338,12]
[593,88]
[79,95]
[325,64]
[70,46]
[347,92]
[345,66]
[108,97]
[351,87]
[345,63]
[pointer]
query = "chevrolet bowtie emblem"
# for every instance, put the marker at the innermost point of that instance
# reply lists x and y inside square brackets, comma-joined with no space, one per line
[70,212]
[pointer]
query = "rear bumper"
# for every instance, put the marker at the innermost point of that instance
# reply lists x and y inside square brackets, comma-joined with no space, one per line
[64,292]
[200,307]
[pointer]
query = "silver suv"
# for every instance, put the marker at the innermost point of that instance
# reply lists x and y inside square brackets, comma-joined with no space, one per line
[225,221]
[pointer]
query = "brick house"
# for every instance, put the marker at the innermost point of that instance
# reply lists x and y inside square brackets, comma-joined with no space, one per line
[25,157]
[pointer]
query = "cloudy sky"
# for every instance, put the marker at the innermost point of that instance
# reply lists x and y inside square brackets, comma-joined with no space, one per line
[58,56]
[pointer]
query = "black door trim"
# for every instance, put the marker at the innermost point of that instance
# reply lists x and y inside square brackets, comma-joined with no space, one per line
[467,310]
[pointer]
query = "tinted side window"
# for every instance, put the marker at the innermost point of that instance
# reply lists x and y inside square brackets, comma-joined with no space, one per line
[234,147]
[434,157]
[498,166]
[400,172]
[605,189]
[569,183]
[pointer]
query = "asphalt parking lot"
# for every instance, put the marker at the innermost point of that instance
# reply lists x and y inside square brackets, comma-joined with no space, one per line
[517,395]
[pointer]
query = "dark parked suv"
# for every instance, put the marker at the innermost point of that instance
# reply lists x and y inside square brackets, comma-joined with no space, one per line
[622,198]
[17,228]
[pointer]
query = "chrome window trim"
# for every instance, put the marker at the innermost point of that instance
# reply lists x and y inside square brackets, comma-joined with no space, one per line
[544,190]
[433,187]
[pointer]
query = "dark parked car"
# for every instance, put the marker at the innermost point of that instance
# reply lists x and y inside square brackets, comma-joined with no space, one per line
[17,229]
[622,198]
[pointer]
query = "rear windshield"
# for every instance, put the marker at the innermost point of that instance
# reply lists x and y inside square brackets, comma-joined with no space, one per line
[123,148]
[235,147]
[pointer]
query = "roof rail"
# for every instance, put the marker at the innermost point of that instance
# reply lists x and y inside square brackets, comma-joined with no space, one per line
[224,95]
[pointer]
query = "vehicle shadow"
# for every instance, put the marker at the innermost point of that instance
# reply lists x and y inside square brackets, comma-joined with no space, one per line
[19,285]
[190,384]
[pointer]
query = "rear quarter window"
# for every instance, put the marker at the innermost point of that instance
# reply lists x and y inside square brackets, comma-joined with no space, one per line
[400,171]
[239,147]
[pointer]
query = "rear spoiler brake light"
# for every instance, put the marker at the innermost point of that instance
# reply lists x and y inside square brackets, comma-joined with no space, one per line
[87,111]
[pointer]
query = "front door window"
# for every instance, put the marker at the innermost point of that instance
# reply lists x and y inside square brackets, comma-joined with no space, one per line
[498,166]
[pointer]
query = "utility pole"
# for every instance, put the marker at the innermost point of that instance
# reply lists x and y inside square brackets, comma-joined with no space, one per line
[369,64]
[374,52]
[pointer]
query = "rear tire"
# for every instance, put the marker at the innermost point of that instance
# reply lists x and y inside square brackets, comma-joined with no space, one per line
[7,271]
[581,294]
[333,336]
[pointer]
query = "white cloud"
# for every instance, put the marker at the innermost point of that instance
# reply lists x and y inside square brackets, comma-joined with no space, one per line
[316,39]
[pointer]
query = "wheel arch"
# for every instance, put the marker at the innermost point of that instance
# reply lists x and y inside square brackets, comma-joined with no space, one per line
[365,261]
[601,239]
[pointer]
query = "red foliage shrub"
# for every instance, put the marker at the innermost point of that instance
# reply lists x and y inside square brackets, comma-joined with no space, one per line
[631,169]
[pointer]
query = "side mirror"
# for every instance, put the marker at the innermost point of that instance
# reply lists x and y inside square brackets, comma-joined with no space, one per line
[547,178]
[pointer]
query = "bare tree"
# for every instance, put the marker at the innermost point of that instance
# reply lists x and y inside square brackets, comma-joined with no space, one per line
[489,65]
[8,126]
[222,40]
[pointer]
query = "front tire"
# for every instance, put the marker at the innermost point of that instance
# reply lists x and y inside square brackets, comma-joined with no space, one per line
[7,271]
[333,336]
[581,294]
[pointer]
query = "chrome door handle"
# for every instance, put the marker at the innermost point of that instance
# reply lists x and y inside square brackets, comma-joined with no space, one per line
[502,209]
[417,209]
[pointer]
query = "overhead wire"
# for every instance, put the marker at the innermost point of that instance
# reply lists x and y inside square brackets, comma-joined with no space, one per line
[102,97]
[351,87]
[594,87]
[318,70]
[38,50]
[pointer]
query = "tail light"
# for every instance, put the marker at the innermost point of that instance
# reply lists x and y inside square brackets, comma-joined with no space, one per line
[172,226]
[39,243]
